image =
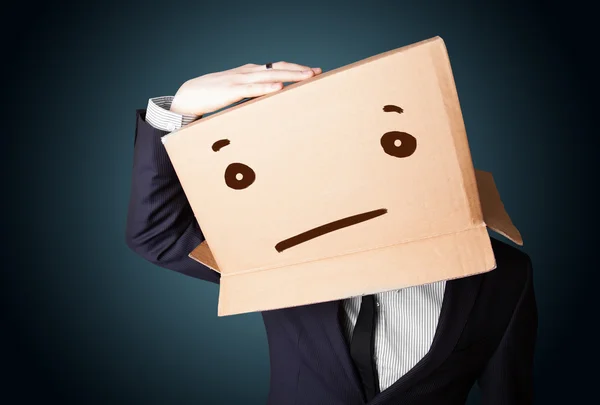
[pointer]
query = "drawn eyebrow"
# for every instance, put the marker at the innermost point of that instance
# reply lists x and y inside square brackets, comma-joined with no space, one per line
[219,144]
[393,108]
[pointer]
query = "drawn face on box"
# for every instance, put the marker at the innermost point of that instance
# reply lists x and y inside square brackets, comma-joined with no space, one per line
[332,167]
[398,144]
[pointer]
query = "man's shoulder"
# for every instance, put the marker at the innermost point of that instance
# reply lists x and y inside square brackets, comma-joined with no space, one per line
[511,263]
[501,290]
[513,271]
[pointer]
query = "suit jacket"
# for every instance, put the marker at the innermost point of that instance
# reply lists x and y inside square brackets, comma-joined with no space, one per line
[486,331]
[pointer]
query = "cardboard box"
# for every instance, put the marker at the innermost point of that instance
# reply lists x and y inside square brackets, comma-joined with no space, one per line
[356,181]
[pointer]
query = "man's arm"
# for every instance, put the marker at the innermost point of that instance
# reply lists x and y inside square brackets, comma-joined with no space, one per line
[161,226]
[508,377]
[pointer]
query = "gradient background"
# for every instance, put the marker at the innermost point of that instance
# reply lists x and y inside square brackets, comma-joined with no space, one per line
[87,321]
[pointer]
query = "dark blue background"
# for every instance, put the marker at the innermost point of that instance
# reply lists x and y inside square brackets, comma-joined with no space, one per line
[87,321]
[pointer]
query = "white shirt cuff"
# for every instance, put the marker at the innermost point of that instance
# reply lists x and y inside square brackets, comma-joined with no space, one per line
[160,117]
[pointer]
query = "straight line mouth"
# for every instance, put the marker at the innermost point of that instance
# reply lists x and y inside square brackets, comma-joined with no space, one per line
[330,227]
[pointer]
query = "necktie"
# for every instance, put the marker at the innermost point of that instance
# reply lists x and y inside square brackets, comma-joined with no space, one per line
[363,344]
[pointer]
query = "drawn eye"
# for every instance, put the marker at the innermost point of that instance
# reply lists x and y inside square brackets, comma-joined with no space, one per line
[398,144]
[238,176]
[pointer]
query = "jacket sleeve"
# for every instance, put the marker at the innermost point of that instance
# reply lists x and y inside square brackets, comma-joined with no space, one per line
[161,226]
[508,377]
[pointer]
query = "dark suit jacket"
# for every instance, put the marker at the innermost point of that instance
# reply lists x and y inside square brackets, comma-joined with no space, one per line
[486,331]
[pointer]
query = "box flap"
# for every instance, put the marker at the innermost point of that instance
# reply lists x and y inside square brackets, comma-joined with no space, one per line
[494,214]
[203,255]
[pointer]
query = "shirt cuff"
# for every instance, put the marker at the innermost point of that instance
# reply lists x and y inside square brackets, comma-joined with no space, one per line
[160,117]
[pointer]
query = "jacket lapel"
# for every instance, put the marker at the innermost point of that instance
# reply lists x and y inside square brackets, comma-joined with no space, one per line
[333,328]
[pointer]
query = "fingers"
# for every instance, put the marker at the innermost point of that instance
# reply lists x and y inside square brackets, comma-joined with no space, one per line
[252,67]
[272,75]
[248,67]
[256,80]
[294,66]
[259,89]
[289,66]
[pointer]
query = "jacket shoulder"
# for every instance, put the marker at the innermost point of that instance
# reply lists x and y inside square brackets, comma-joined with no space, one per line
[500,294]
[513,272]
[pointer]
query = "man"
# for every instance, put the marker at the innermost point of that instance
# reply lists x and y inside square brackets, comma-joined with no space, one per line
[421,345]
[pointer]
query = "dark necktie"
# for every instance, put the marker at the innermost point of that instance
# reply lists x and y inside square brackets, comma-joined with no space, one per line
[363,344]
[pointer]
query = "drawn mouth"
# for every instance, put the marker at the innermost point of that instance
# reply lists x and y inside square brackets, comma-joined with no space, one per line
[330,227]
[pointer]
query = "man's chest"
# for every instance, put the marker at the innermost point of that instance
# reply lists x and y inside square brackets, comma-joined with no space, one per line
[405,324]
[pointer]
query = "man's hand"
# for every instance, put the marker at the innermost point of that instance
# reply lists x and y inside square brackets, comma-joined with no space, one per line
[214,91]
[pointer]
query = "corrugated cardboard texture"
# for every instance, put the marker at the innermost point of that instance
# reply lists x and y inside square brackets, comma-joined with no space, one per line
[357,181]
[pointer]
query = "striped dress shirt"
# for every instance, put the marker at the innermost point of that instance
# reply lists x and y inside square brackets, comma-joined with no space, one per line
[406,319]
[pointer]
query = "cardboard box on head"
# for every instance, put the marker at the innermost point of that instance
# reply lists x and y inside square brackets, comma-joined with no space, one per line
[353,182]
